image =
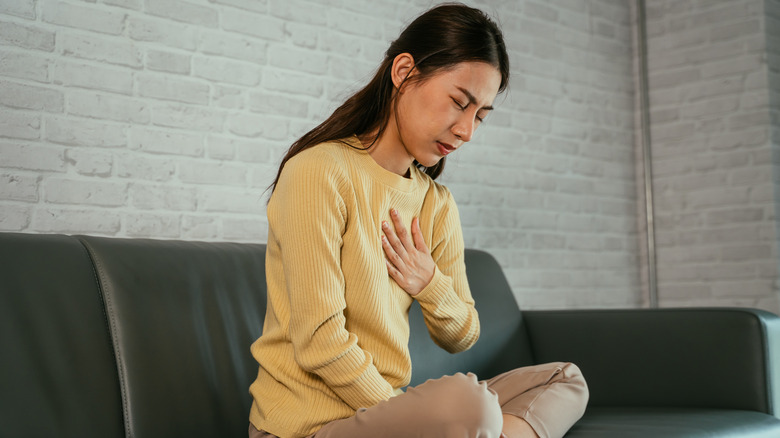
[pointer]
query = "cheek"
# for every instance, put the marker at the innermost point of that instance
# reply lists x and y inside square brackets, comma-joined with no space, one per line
[443,118]
[435,115]
[415,115]
[425,114]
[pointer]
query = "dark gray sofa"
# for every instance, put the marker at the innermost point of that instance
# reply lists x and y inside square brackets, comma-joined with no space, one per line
[103,337]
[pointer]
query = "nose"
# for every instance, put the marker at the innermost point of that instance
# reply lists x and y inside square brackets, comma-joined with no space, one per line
[464,128]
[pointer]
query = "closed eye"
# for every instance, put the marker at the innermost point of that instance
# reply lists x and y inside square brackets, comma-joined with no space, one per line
[460,105]
[471,100]
[463,107]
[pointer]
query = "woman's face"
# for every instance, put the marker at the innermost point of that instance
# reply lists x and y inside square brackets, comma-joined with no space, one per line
[437,115]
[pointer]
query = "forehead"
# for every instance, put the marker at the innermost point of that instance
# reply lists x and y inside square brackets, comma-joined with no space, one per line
[478,78]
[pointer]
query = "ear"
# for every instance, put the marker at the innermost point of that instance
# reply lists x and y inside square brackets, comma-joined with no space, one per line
[403,66]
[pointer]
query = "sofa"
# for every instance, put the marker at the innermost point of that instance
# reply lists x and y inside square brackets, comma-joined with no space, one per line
[107,337]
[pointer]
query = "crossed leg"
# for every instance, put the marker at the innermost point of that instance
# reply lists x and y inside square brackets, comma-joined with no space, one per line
[539,401]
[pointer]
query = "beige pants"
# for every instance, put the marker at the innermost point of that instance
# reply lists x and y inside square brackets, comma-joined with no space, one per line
[550,397]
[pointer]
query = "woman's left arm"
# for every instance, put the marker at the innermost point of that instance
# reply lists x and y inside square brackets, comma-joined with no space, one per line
[436,278]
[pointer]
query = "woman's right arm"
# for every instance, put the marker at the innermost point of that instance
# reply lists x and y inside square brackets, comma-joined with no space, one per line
[307,215]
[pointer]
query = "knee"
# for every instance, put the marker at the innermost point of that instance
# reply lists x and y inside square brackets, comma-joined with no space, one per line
[463,403]
[574,378]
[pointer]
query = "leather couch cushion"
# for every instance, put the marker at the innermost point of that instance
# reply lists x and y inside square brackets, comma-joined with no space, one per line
[182,316]
[57,371]
[674,423]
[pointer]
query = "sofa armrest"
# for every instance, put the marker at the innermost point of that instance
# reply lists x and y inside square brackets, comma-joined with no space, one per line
[713,357]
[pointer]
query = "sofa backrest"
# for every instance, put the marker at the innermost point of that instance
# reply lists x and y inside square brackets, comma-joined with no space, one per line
[57,371]
[182,316]
[503,342]
[105,337]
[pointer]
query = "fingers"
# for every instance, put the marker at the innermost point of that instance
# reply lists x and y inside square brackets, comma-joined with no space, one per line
[419,242]
[400,229]
[394,272]
[408,259]
[390,252]
[399,238]
[395,242]
[393,261]
[391,237]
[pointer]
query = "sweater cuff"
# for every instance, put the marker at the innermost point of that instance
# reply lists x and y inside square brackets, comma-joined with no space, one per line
[356,380]
[435,290]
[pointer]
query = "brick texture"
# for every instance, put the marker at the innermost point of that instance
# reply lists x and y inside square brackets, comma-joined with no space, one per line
[167,119]
[713,71]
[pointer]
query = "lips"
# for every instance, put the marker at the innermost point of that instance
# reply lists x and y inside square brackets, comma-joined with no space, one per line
[444,148]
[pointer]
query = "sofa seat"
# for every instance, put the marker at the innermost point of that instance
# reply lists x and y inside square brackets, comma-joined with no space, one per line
[673,423]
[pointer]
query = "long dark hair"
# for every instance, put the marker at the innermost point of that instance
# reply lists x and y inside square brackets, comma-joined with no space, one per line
[438,39]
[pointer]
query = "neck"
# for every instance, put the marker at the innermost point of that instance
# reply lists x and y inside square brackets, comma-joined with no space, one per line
[389,151]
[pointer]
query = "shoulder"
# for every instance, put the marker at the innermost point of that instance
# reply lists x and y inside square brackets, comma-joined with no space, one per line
[325,161]
[443,193]
[312,176]
[443,208]
[437,192]
[328,154]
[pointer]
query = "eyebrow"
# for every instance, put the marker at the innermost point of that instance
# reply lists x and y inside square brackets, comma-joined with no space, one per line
[473,99]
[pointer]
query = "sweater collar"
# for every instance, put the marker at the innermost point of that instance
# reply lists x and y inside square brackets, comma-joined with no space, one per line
[379,173]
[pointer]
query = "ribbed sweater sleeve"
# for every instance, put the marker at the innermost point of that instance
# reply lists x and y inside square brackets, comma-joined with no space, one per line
[447,304]
[309,224]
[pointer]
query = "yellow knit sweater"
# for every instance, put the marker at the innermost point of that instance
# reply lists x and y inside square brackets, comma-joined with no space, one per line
[336,330]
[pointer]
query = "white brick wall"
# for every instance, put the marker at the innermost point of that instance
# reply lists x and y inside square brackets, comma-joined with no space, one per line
[167,119]
[550,186]
[712,152]
[765,192]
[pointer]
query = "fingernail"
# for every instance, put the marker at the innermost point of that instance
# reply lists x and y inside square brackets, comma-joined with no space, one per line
[394,212]
[384,224]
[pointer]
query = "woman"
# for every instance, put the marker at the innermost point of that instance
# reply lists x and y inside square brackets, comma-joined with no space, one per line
[358,230]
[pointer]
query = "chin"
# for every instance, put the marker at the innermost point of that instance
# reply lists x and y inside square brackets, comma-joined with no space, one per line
[430,162]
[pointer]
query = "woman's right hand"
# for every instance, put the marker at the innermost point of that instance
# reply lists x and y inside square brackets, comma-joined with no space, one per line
[409,260]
